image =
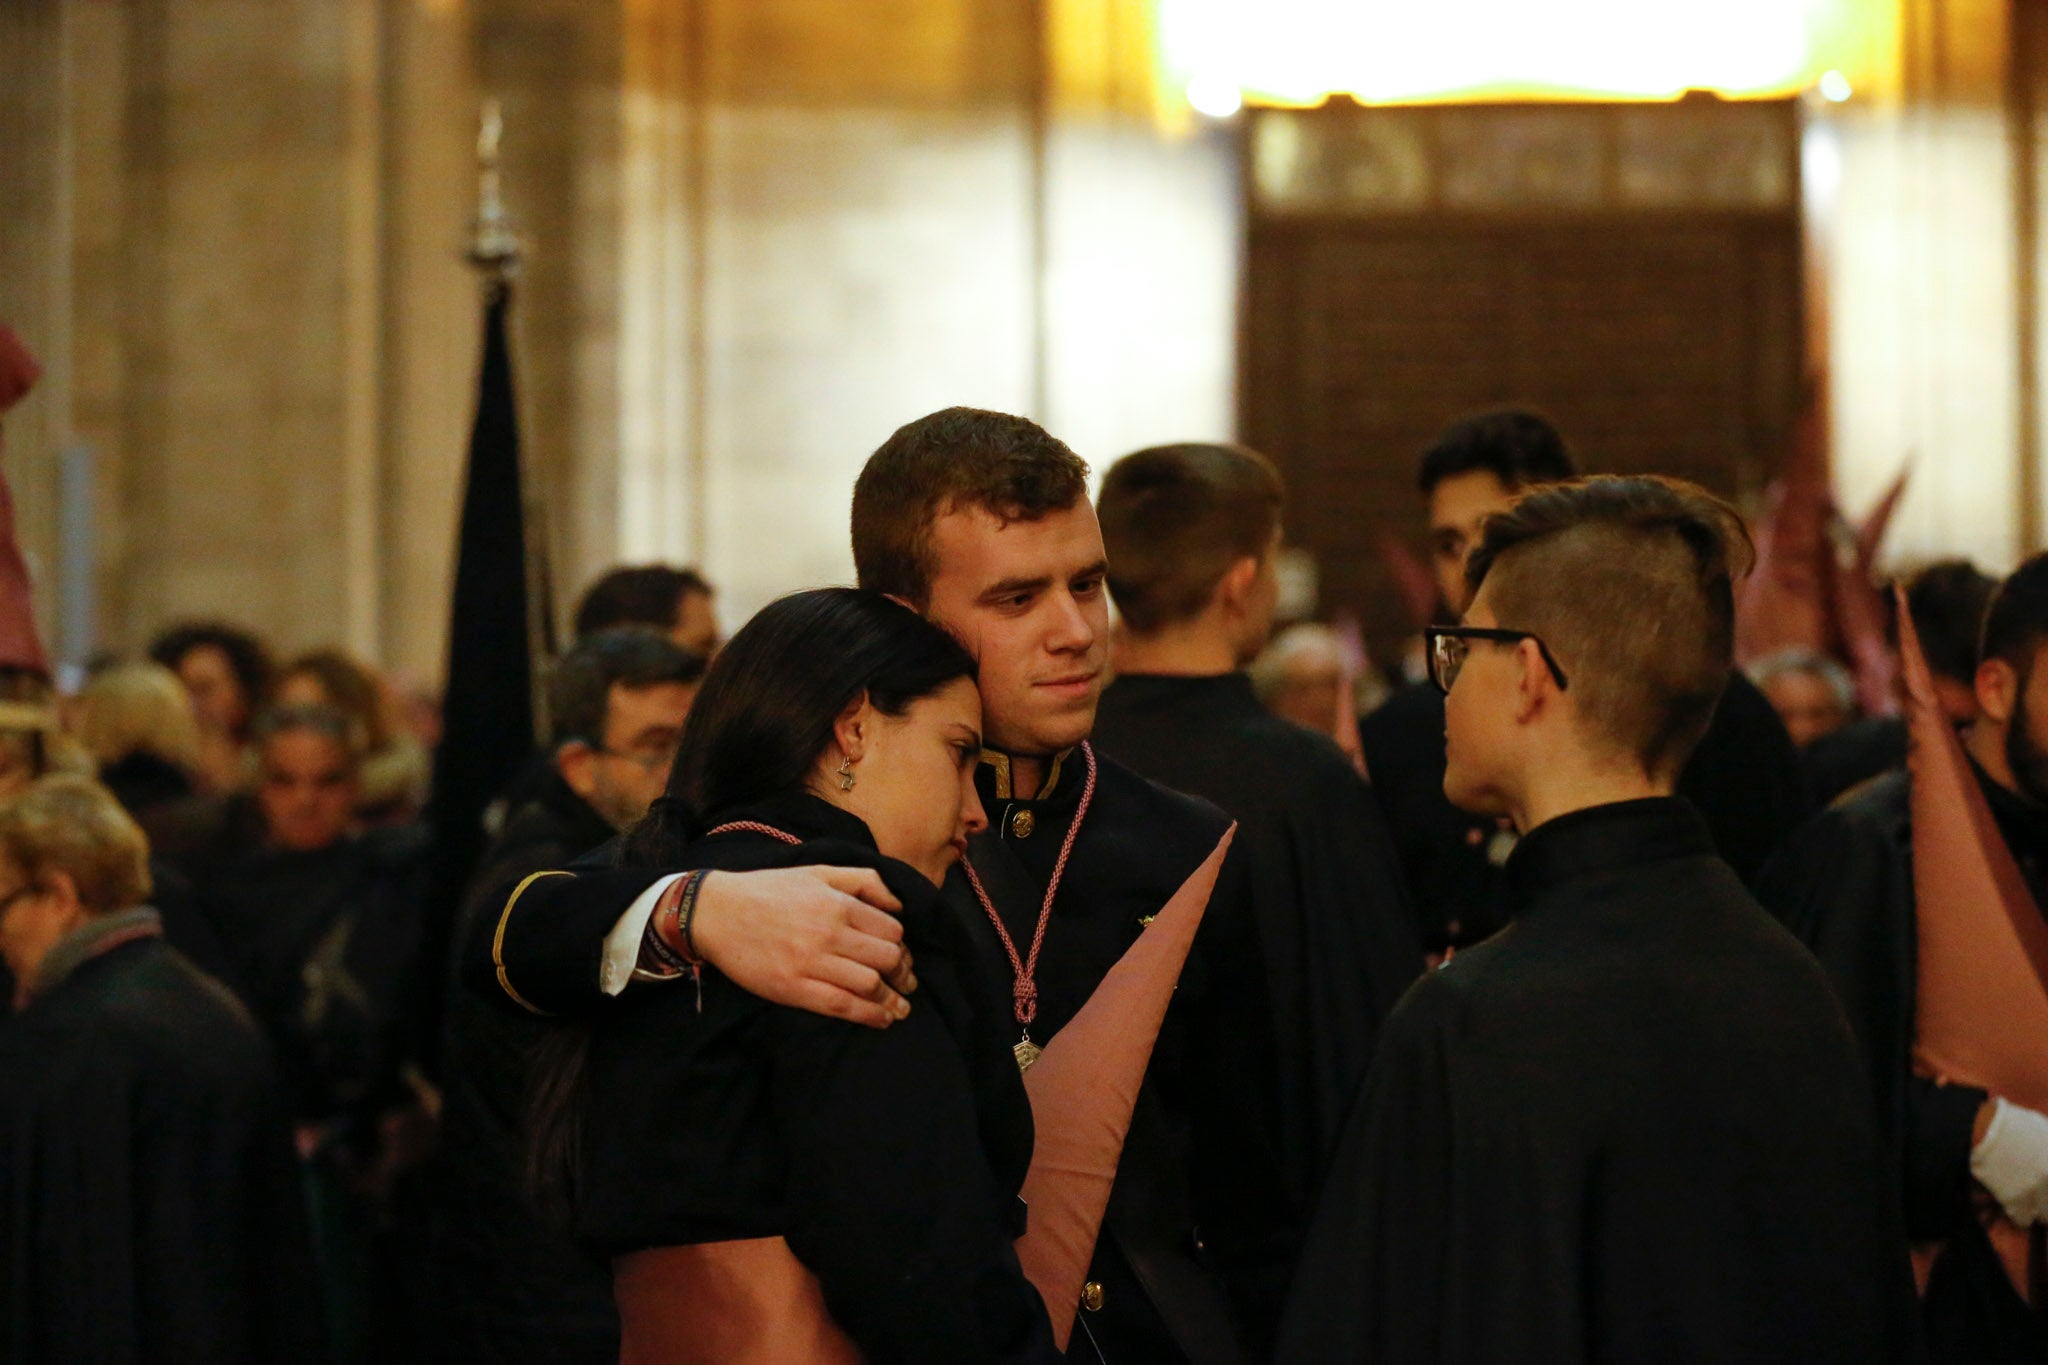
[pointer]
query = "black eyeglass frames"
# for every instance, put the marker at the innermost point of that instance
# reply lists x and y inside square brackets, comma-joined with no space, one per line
[1447,648]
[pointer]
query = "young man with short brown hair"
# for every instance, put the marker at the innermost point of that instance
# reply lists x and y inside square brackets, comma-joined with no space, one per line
[1192,532]
[981,520]
[1632,1126]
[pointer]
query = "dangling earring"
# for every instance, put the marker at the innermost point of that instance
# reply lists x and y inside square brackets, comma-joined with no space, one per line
[846,773]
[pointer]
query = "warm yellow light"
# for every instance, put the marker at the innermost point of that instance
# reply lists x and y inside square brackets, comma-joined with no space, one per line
[1299,51]
[1216,98]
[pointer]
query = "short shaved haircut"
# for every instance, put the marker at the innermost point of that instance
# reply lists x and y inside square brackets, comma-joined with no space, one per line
[1630,582]
[1175,518]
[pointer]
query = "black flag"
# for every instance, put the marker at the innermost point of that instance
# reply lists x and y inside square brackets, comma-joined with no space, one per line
[499,629]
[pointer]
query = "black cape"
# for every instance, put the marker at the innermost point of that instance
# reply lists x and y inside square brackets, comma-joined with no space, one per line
[1849,757]
[1197,1191]
[1335,929]
[1844,886]
[889,1159]
[151,1202]
[509,1285]
[1632,1126]
[325,946]
[1744,778]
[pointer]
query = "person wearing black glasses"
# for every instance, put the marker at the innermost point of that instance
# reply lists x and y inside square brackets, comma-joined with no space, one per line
[1744,775]
[1633,1125]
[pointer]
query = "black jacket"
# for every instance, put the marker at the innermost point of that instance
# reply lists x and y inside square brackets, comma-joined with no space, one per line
[150,1205]
[1335,931]
[510,1285]
[1207,1113]
[889,1159]
[1844,885]
[1631,1126]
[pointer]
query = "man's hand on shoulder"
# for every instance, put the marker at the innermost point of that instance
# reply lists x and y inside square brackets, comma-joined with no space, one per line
[821,939]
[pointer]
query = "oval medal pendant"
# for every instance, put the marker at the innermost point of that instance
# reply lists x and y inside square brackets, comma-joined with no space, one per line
[1027,1052]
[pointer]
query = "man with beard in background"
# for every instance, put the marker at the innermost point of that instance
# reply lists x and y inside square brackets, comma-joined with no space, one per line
[1844,885]
[1744,776]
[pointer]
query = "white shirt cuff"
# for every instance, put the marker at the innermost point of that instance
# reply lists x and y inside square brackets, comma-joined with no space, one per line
[622,944]
[2012,1161]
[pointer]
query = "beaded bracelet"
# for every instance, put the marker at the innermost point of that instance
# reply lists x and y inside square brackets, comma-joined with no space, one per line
[676,949]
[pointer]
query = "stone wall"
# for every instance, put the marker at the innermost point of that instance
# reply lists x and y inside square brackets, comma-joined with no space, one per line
[761,234]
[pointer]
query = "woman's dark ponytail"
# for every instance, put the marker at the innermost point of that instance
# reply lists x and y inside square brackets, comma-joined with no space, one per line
[670,826]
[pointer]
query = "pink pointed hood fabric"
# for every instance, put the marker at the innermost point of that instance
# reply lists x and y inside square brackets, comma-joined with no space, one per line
[1344,724]
[1412,578]
[1982,1015]
[1859,619]
[1859,610]
[1083,1088]
[1870,532]
[20,647]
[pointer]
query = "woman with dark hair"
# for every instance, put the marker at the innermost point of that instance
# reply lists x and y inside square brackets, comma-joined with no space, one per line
[774,1185]
[228,672]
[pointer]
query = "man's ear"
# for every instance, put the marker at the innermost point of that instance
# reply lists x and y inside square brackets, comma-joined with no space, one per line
[576,761]
[1236,584]
[1534,687]
[1998,690]
[63,893]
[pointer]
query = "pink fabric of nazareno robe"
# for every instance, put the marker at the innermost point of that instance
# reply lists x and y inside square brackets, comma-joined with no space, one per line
[20,646]
[1083,1088]
[1982,1015]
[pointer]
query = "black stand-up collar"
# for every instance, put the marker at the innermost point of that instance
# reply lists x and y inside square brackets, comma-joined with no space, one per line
[1601,839]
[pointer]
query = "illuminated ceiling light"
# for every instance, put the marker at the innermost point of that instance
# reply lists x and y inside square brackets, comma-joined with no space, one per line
[1217,99]
[1835,87]
[1391,51]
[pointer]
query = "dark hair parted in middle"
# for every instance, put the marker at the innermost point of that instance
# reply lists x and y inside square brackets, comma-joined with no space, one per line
[1948,600]
[1631,583]
[768,704]
[956,458]
[1175,518]
[1518,446]
[248,659]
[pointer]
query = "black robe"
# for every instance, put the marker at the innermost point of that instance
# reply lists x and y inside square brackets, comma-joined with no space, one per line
[1744,778]
[1335,929]
[508,1285]
[889,1159]
[1197,1195]
[1859,751]
[1630,1127]
[325,946]
[151,1203]
[1844,885]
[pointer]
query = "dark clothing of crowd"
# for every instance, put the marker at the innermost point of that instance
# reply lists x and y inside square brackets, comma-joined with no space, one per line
[288,1037]
[507,1280]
